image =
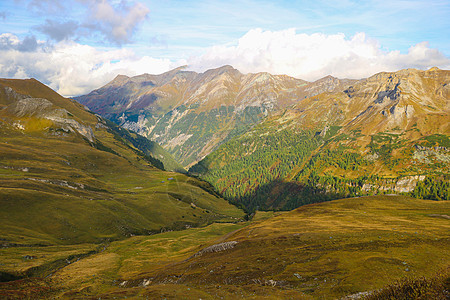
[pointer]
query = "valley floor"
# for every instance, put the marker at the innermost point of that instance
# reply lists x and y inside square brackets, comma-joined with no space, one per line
[320,251]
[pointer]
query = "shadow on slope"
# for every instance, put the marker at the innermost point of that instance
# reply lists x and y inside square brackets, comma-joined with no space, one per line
[283,195]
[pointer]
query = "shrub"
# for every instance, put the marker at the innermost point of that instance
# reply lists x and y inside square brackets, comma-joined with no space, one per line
[434,288]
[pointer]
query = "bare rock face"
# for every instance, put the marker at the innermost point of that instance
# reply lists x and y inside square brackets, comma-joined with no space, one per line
[207,108]
[9,95]
[73,126]
[41,108]
[408,183]
[217,248]
[32,107]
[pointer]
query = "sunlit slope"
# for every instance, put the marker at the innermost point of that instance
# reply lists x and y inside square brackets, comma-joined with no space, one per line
[13,90]
[326,250]
[385,134]
[68,176]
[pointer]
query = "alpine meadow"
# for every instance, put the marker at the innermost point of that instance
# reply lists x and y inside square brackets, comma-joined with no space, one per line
[224,150]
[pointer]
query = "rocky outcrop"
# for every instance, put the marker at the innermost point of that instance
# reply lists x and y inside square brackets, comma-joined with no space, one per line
[404,184]
[428,155]
[407,184]
[73,126]
[217,248]
[32,107]
[40,108]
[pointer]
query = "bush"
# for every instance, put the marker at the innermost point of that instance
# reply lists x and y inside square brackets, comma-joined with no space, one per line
[435,288]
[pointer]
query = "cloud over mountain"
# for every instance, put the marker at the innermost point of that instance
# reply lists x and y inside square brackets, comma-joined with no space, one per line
[73,69]
[69,67]
[316,55]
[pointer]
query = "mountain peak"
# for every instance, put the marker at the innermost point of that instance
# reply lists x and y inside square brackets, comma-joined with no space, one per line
[326,78]
[221,70]
[180,68]
[119,79]
[226,68]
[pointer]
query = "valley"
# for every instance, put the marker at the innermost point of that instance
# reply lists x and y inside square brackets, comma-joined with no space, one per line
[328,250]
[264,186]
[224,150]
[72,182]
[320,140]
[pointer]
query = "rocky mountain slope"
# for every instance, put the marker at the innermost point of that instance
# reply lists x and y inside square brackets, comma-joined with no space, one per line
[190,114]
[386,133]
[68,176]
[35,114]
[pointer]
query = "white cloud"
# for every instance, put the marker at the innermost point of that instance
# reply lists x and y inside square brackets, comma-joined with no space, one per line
[116,22]
[10,41]
[58,30]
[314,56]
[105,20]
[72,69]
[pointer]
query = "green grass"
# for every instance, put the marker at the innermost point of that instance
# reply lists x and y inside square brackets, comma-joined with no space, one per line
[326,250]
[132,256]
[437,140]
[62,190]
[63,200]
[62,197]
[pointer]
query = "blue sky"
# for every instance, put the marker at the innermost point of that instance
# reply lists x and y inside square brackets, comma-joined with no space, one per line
[78,45]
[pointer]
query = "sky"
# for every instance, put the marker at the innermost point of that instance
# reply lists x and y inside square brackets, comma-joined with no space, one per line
[76,46]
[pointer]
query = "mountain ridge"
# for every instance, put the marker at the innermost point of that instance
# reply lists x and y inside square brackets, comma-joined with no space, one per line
[223,101]
[374,136]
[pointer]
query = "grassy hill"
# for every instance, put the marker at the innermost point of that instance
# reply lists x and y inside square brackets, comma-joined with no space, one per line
[70,180]
[319,251]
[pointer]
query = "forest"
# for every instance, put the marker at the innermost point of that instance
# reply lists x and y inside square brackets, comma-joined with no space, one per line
[267,169]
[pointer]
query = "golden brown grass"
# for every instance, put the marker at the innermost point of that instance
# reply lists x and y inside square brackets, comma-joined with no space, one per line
[325,250]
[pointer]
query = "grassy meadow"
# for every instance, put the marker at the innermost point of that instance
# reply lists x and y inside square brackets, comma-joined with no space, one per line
[319,251]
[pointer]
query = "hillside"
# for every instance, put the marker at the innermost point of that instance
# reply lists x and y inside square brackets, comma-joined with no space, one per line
[69,177]
[324,250]
[320,251]
[385,134]
[190,114]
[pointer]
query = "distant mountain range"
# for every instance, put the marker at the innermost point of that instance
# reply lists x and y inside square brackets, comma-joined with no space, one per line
[191,114]
[272,141]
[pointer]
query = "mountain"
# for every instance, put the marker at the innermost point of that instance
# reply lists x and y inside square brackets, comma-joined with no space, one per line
[69,176]
[88,212]
[191,114]
[385,134]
